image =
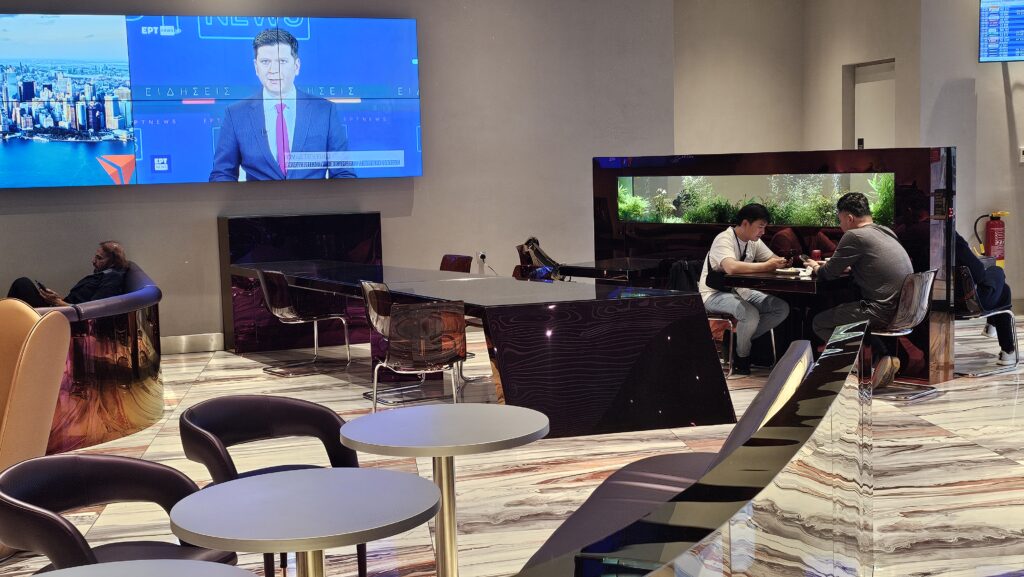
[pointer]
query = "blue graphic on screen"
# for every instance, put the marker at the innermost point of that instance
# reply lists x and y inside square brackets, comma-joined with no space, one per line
[1001,31]
[65,101]
[171,99]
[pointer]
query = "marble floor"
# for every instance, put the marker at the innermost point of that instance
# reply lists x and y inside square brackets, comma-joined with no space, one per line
[949,471]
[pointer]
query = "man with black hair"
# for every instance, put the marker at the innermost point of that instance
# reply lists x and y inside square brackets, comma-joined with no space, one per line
[879,265]
[282,132]
[738,249]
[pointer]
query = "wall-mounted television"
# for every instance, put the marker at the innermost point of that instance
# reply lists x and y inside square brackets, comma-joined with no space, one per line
[1001,30]
[93,100]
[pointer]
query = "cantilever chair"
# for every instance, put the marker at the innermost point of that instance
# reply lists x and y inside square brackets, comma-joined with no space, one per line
[639,487]
[968,307]
[34,493]
[915,296]
[210,427]
[422,338]
[278,296]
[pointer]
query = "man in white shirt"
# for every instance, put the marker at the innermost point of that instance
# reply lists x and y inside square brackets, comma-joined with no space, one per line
[738,250]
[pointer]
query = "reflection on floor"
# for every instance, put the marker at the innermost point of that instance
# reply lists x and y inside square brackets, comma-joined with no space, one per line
[949,471]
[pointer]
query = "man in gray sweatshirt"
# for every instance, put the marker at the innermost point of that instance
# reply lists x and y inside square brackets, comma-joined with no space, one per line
[879,265]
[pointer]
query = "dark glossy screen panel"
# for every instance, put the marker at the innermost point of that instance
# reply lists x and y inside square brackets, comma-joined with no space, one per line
[354,237]
[605,366]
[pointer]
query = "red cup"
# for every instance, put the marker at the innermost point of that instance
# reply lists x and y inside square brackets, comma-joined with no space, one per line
[815,254]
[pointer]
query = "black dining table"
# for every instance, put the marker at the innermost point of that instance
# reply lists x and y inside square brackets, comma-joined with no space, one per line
[776,282]
[594,358]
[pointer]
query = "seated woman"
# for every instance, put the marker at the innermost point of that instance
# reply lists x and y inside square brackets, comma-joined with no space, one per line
[109,265]
[993,293]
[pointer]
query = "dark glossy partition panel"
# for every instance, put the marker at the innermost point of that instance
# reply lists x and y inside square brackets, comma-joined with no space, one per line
[243,240]
[111,386]
[794,500]
[923,218]
[606,366]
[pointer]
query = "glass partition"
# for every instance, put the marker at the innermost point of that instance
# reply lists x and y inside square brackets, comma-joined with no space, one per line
[791,199]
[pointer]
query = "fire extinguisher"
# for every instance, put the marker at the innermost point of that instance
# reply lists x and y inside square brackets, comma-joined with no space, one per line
[994,244]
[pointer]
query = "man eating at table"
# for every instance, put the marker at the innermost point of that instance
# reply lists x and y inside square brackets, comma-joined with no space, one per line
[737,250]
[879,264]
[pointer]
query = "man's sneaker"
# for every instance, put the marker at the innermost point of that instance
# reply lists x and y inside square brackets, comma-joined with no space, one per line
[885,372]
[989,331]
[741,366]
[1007,358]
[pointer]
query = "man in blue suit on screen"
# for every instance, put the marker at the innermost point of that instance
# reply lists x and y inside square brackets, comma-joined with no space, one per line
[280,134]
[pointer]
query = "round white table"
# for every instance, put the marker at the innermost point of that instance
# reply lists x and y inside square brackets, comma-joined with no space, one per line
[304,511]
[443,432]
[153,568]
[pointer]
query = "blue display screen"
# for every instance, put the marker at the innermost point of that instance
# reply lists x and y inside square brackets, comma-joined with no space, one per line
[90,100]
[1001,30]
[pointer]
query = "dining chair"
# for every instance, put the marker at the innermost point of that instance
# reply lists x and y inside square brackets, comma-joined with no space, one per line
[967,306]
[280,299]
[34,493]
[210,427]
[457,263]
[421,338]
[915,298]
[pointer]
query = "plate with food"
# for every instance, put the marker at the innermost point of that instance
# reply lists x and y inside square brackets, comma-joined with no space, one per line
[790,270]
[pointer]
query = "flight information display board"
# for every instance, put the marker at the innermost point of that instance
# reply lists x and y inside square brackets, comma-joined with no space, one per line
[1001,31]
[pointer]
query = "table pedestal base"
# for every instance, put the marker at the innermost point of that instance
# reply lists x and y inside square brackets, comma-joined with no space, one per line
[309,564]
[447,547]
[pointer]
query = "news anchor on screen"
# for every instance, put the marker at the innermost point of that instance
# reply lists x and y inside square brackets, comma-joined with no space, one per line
[278,134]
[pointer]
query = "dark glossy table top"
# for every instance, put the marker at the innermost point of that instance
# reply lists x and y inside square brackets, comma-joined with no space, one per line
[627,266]
[348,273]
[476,291]
[778,282]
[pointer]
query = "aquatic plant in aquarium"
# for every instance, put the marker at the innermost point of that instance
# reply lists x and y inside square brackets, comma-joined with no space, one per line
[791,199]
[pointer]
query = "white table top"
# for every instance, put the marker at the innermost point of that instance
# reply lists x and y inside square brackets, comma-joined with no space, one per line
[153,568]
[444,430]
[305,510]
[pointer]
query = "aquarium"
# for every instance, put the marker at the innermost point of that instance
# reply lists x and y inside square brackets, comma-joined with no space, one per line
[791,199]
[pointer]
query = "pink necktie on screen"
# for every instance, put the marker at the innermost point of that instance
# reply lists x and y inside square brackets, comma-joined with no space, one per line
[282,139]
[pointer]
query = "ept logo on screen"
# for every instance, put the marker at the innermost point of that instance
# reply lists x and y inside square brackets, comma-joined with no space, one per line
[161,163]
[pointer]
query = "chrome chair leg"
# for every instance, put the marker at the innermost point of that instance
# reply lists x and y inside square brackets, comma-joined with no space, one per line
[376,371]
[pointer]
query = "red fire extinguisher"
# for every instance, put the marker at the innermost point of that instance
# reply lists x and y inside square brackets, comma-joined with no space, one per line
[994,244]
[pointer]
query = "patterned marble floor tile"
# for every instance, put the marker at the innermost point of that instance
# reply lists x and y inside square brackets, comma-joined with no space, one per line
[949,472]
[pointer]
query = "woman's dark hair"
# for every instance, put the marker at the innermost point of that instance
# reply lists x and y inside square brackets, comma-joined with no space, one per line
[752,212]
[854,203]
[115,252]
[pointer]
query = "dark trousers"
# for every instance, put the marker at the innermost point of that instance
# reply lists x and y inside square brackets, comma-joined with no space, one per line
[24,289]
[826,321]
[994,293]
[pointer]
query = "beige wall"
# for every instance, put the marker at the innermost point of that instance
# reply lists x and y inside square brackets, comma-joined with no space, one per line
[738,75]
[976,107]
[838,33]
[517,97]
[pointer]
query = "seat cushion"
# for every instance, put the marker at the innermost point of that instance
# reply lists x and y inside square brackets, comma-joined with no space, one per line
[626,496]
[137,550]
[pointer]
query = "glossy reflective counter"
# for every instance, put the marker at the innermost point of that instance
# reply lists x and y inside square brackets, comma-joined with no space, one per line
[793,500]
[593,358]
